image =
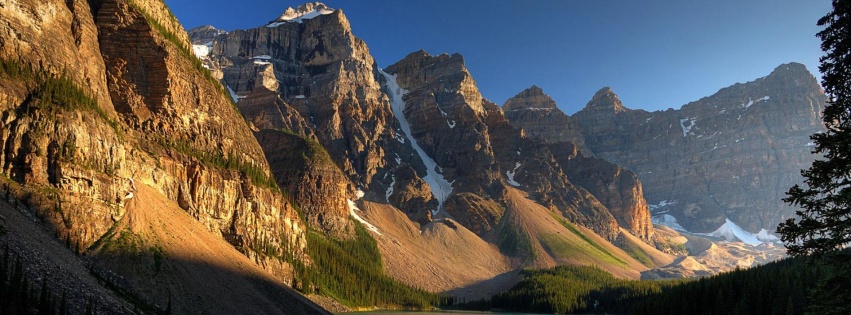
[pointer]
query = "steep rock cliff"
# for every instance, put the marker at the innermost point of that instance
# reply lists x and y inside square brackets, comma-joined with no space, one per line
[311,75]
[98,97]
[731,155]
[616,188]
[538,114]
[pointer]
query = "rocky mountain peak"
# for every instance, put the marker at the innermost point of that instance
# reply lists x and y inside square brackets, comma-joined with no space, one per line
[443,73]
[531,98]
[792,75]
[204,34]
[792,68]
[303,12]
[605,98]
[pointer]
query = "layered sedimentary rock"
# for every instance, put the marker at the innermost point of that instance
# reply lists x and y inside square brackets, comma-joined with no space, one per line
[101,96]
[306,72]
[480,152]
[732,155]
[616,188]
[538,114]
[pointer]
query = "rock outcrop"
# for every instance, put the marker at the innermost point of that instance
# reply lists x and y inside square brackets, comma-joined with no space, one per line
[540,117]
[616,188]
[730,155]
[101,96]
[306,72]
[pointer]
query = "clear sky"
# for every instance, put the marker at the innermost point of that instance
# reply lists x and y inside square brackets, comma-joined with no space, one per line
[655,54]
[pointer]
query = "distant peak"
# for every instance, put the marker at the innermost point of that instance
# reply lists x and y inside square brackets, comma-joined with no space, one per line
[605,98]
[531,98]
[303,12]
[792,68]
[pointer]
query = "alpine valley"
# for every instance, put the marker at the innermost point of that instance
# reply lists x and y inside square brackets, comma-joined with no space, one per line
[281,170]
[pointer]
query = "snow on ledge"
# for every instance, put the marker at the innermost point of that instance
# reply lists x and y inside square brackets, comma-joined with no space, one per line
[303,12]
[511,174]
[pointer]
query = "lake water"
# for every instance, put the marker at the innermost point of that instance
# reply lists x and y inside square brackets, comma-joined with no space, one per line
[429,313]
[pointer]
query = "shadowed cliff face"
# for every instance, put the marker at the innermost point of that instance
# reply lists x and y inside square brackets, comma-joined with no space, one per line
[616,188]
[99,97]
[730,155]
[476,148]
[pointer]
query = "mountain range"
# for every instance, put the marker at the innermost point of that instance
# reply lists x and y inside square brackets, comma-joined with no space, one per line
[175,164]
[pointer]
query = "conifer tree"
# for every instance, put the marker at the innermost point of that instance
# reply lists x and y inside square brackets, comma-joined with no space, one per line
[824,227]
[825,224]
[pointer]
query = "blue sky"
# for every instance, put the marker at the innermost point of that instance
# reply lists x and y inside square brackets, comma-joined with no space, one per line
[654,54]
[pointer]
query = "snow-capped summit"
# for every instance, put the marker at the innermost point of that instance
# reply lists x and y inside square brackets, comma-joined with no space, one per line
[303,12]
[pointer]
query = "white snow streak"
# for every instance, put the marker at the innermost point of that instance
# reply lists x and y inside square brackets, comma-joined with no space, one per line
[752,102]
[390,189]
[440,187]
[511,173]
[233,94]
[369,226]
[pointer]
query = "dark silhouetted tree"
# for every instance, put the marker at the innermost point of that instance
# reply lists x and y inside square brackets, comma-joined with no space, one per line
[824,226]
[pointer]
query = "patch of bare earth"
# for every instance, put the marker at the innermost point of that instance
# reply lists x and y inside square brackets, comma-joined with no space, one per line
[158,251]
[554,244]
[443,256]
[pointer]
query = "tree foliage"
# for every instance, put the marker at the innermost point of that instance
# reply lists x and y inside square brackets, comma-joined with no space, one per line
[824,226]
[825,219]
[775,288]
[351,271]
[19,295]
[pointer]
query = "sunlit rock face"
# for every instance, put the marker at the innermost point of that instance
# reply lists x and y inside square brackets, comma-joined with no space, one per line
[732,155]
[307,73]
[154,119]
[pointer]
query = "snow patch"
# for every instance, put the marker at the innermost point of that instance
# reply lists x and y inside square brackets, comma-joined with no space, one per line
[299,16]
[390,189]
[661,204]
[369,226]
[669,221]
[299,96]
[451,124]
[810,144]
[233,95]
[732,232]
[766,236]
[511,173]
[752,102]
[440,187]
[202,51]
[261,62]
[687,127]
[262,57]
